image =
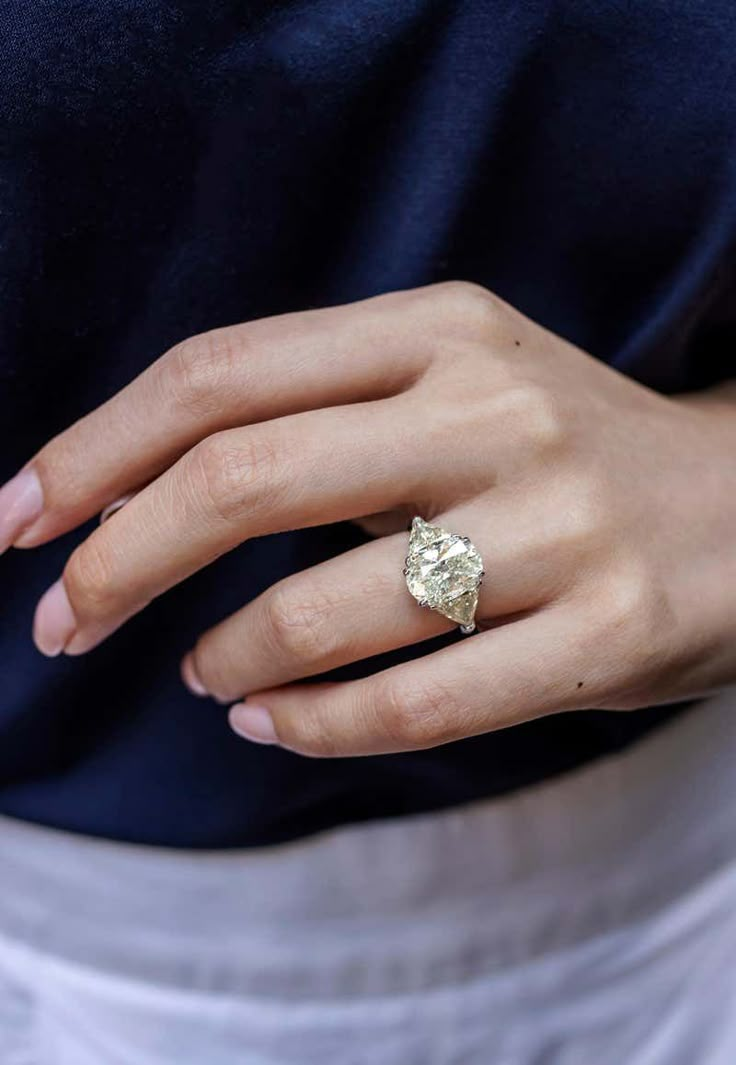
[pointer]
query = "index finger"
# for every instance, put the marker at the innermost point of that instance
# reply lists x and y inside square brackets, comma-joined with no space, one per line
[228,377]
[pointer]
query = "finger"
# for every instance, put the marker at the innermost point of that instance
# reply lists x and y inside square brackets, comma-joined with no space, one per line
[233,376]
[343,610]
[306,469]
[539,665]
[357,605]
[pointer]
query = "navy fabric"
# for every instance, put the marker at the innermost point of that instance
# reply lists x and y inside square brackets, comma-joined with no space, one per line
[167,167]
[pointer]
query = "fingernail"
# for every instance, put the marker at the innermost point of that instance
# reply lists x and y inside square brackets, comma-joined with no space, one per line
[253,723]
[21,502]
[191,678]
[54,623]
[113,508]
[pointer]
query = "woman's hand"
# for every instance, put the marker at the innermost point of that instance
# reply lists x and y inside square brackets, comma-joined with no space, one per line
[605,515]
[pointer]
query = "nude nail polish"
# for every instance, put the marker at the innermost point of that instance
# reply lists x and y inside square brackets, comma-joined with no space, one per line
[54,624]
[253,723]
[191,678]
[21,503]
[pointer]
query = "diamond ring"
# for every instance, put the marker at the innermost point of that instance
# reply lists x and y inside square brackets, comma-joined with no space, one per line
[444,571]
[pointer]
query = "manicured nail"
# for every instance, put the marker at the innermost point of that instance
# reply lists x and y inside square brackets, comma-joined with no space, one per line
[113,508]
[54,623]
[21,502]
[253,723]
[191,678]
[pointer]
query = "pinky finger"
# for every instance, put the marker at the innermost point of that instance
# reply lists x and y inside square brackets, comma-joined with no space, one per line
[528,668]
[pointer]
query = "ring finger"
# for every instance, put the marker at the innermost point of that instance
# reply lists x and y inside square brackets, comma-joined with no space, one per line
[357,605]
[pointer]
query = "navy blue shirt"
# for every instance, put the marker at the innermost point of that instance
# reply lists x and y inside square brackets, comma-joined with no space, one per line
[167,167]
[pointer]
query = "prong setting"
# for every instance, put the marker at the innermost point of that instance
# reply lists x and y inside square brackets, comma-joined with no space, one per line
[443,571]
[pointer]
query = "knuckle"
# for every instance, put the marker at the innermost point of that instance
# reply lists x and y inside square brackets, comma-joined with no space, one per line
[198,371]
[235,472]
[90,581]
[532,418]
[418,716]
[299,627]
[626,597]
[637,616]
[541,416]
[469,307]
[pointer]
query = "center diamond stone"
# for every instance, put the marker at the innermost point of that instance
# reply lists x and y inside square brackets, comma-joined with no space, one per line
[444,571]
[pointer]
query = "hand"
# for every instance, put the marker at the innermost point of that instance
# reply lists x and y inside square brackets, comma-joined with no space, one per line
[604,513]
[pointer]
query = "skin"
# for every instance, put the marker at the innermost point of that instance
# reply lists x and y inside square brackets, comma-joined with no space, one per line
[604,513]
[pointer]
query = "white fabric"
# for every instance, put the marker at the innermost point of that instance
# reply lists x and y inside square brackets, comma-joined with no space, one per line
[588,921]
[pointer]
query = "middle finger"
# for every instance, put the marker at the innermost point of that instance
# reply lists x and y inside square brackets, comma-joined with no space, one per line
[305,469]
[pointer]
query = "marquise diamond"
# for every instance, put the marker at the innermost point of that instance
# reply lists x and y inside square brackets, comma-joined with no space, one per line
[444,571]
